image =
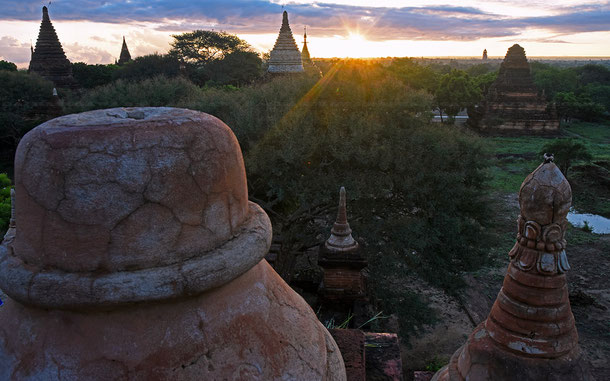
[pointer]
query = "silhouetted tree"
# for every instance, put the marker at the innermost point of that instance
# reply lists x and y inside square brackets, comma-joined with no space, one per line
[566,152]
[8,66]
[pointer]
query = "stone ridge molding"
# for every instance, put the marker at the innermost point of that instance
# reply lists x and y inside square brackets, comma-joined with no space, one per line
[211,269]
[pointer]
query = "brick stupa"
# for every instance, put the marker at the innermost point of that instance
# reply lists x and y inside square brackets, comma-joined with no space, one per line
[285,57]
[342,260]
[137,255]
[530,334]
[125,55]
[513,104]
[49,59]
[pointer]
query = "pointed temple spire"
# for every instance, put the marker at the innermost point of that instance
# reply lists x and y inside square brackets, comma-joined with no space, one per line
[342,260]
[530,332]
[125,55]
[285,56]
[305,57]
[341,234]
[484,54]
[49,59]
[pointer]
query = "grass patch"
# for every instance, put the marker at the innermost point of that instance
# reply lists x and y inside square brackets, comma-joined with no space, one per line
[577,236]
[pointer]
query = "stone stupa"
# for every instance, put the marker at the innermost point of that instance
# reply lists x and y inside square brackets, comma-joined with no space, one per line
[125,55]
[530,333]
[513,104]
[48,58]
[285,57]
[135,254]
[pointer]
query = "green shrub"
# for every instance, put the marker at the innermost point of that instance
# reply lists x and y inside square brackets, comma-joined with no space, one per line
[25,101]
[154,92]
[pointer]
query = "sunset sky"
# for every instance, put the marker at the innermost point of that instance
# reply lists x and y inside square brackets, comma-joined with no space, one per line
[92,30]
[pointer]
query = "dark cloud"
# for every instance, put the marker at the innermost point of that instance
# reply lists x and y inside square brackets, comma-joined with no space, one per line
[323,19]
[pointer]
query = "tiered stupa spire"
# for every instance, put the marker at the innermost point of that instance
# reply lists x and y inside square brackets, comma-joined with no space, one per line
[125,55]
[305,57]
[484,54]
[342,260]
[49,59]
[285,56]
[530,332]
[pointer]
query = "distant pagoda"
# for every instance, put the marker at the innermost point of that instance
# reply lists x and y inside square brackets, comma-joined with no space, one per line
[49,59]
[484,54]
[513,104]
[305,57]
[285,56]
[125,55]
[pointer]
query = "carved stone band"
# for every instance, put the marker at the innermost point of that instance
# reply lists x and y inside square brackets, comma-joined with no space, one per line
[64,290]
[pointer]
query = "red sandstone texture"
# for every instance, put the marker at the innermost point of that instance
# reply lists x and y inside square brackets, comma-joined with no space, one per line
[530,332]
[253,328]
[136,255]
[351,345]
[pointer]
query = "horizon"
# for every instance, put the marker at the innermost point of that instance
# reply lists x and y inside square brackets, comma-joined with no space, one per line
[92,33]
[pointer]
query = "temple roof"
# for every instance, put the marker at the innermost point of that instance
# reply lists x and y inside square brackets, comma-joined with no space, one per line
[48,58]
[125,55]
[285,56]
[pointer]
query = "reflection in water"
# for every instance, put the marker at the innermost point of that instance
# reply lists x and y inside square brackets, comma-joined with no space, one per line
[599,224]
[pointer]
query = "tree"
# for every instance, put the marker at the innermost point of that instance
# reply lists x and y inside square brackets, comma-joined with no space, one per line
[202,46]
[26,100]
[237,68]
[89,76]
[455,92]
[566,152]
[8,66]
[149,66]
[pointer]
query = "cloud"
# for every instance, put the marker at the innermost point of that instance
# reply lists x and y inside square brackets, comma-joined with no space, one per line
[82,53]
[14,51]
[436,22]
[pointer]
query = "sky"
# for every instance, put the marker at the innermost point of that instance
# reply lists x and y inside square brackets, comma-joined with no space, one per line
[91,30]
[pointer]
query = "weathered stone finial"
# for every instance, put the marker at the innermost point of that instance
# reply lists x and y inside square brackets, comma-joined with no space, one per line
[530,332]
[548,158]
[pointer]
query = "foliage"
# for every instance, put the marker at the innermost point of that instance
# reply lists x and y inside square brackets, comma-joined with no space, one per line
[566,152]
[149,66]
[363,129]
[484,81]
[5,202]
[237,68]
[24,103]
[89,76]
[415,75]
[580,92]
[202,46]
[569,106]
[456,91]
[153,92]
[8,66]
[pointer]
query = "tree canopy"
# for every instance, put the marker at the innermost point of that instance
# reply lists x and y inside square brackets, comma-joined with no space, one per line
[456,91]
[203,46]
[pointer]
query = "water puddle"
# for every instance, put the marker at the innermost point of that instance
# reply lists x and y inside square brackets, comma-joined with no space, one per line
[599,224]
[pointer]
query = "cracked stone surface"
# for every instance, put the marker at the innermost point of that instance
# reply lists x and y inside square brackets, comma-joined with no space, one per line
[136,255]
[253,328]
[123,189]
